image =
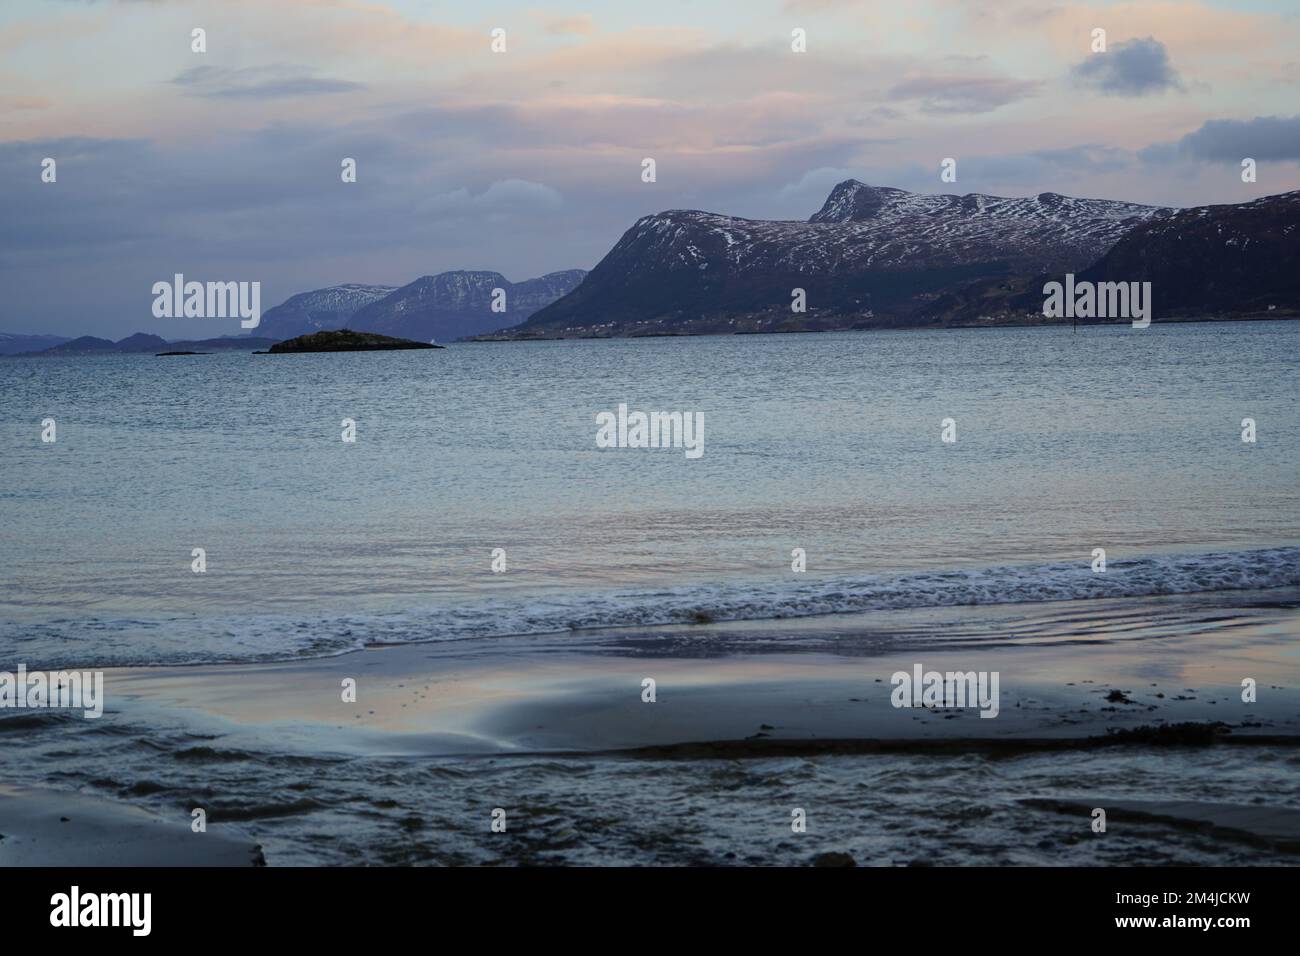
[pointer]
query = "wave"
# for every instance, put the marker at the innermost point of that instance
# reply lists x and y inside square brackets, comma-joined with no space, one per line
[276,638]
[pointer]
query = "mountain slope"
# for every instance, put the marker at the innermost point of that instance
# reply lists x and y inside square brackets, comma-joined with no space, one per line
[454,305]
[14,344]
[89,344]
[1225,261]
[82,345]
[140,342]
[319,309]
[147,344]
[871,256]
[1207,260]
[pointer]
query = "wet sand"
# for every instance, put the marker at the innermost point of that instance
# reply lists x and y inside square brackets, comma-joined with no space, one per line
[726,682]
[1167,678]
[49,828]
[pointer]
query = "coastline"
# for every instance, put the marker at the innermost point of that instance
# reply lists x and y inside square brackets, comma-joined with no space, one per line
[506,709]
[1025,322]
[808,679]
[500,337]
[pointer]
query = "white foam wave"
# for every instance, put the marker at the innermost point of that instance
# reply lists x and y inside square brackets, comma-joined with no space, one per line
[228,640]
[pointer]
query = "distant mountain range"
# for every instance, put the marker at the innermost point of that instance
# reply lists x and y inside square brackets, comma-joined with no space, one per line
[875,257]
[143,342]
[455,305]
[871,257]
[11,344]
[443,307]
[318,310]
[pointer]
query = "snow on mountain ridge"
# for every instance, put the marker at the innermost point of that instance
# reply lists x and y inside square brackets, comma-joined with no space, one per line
[452,305]
[861,227]
[319,309]
[872,255]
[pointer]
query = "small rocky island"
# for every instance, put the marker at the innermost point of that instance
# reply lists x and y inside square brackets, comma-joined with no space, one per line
[345,340]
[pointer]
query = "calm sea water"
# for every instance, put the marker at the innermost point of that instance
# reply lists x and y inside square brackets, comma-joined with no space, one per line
[1066,441]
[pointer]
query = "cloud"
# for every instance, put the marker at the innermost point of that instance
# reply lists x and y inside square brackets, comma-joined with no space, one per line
[259,82]
[1059,169]
[1129,68]
[1275,138]
[562,26]
[821,6]
[812,188]
[949,93]
[1264,137]
[505,195]
[8,103]
[530,162]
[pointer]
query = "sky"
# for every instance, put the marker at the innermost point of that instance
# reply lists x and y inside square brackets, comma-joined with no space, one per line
[225,165]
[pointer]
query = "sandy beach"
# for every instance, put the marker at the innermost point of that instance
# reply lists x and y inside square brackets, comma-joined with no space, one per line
[750,721]
[52,828]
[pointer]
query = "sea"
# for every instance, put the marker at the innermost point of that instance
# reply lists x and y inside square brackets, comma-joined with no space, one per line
[1066,442]
[206,510]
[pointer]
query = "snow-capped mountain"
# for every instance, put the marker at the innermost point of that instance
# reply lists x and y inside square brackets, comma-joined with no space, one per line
[870,256]
[319,309]
[1047,230]
[1228,261]
[453,305]
[1213,260]
[533,294]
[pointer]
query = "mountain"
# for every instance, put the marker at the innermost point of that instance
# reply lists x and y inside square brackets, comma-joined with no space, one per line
[446,306]
[140,342]
[90,344]
[871,256]
[145,343]
[453,305]
[82,345]
[226,343]
[319,309]
[12,344]
[1214,260]
[1228,261]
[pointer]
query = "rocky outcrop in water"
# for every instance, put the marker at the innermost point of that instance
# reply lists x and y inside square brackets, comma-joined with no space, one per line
[345,340]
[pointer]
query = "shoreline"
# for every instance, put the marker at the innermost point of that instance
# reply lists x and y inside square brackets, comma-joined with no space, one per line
[441,733]
[1194,643]
[1026,323]
[807,678]
[495,339]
